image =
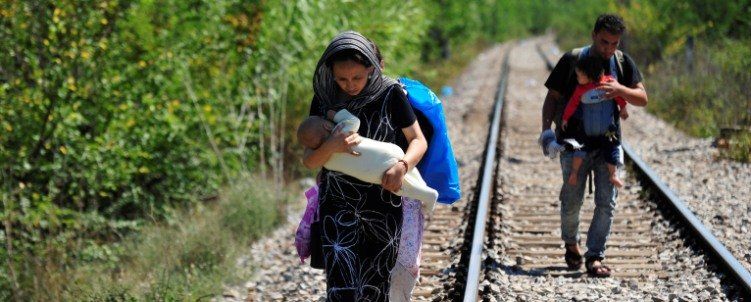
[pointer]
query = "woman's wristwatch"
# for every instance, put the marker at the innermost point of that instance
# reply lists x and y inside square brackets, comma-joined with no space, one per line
[406,165]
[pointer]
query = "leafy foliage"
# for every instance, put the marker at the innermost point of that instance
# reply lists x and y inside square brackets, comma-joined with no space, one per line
[697,59]
[115,113]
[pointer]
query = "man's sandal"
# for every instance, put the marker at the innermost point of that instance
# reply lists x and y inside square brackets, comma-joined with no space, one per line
[573,259]
[599,270]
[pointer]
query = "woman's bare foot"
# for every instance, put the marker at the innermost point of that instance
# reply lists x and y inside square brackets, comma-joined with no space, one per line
[572,179]
[616,181]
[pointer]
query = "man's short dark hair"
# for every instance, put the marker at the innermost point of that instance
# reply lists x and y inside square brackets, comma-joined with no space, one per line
[613,24]
[590,66]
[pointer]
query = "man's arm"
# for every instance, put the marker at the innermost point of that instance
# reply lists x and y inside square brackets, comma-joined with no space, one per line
[637,95]
[558,83]
[548,108]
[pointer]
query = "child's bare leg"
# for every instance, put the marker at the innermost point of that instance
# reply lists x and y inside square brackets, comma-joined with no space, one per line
[613,170]
[624,113]
[576,163]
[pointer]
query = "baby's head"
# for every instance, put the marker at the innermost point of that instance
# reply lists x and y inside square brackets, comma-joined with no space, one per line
[313,131]
[588,70]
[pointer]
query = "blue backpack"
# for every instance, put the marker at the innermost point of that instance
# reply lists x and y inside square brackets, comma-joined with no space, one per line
[438,165]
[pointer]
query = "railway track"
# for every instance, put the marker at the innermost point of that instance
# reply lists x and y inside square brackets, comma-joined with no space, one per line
[519,228]
[446,237]
[653,251]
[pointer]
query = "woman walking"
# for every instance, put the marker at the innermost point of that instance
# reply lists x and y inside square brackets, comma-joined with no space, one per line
[361,222]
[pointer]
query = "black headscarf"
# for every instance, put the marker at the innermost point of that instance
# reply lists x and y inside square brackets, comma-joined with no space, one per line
[326,89]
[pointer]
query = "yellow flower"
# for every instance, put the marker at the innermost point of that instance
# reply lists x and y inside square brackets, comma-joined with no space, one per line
[63,150]
[85,55]
[143,170]
[141,64]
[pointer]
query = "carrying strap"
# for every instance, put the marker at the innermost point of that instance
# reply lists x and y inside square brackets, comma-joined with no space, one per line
[616,66]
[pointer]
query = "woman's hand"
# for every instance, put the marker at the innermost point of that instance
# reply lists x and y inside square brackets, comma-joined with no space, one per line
[392,178]
[339,141]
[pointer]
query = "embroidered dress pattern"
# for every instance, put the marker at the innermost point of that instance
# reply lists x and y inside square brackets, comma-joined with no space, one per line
[361,222]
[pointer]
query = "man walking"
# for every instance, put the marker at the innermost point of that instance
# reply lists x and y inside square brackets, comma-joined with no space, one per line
[606,36]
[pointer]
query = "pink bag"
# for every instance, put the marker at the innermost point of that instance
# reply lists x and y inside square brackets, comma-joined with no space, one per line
[302,236]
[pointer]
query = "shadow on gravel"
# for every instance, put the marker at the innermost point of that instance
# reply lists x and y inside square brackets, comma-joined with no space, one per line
[516,270]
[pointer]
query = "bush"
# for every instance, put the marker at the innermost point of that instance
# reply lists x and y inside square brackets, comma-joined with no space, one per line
[712,95]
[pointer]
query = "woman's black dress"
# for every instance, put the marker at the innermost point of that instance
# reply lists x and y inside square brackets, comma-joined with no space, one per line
[361,222]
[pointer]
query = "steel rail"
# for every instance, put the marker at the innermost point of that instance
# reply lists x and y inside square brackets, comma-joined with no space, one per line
[478,237]
[677,204]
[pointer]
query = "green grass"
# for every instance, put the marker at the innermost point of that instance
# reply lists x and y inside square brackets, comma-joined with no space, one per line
[187,257]
[740,148]
[710,96]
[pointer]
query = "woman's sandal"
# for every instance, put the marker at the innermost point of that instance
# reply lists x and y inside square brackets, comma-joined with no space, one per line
[600,270]
[573,259]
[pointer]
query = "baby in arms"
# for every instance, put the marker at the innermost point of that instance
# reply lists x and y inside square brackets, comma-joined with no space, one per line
[375,157]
